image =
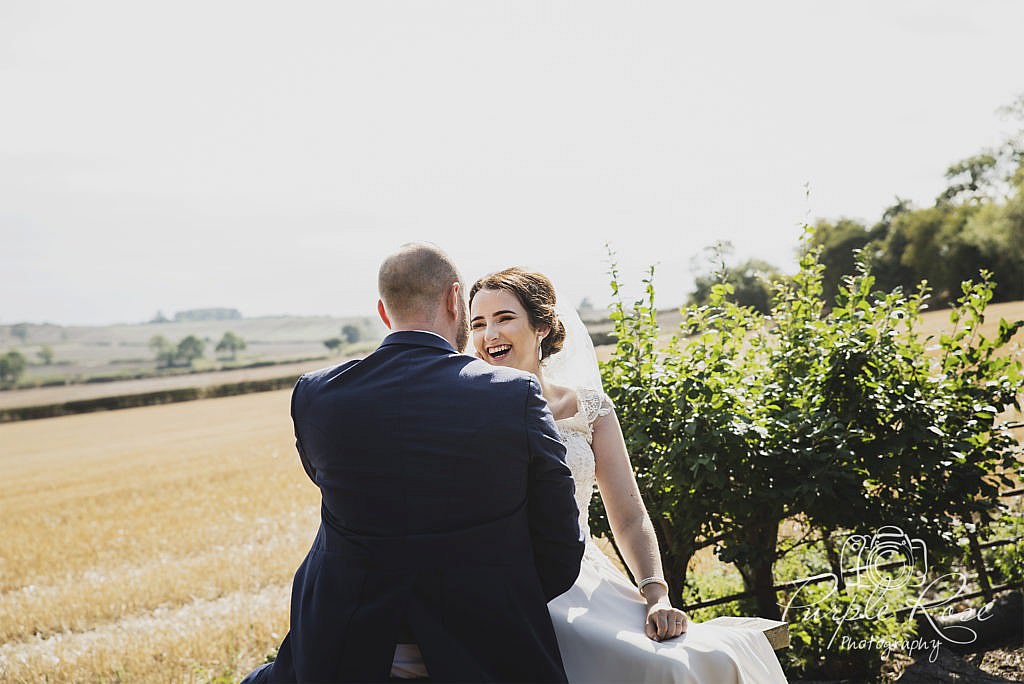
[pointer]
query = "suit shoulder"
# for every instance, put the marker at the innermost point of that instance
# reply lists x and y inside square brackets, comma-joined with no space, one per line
[321,374]
[497,375]
[308,383]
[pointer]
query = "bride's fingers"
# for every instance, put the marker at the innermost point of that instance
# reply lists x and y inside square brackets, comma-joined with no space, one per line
[663,627]
[674,622]
[678,624]
[650,628]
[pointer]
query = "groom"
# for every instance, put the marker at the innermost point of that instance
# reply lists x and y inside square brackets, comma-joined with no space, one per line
[448,519]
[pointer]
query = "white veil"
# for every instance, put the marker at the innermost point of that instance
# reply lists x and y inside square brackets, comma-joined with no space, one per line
[576,364]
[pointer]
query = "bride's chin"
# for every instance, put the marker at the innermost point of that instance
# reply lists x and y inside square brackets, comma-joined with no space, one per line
[503,361]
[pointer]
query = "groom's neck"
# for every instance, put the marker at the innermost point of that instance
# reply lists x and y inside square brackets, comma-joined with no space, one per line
[424,326]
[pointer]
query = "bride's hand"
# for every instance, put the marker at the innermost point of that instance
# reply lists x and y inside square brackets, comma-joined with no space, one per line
[664,621]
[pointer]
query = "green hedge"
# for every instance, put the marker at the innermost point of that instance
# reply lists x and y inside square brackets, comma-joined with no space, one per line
[145,399]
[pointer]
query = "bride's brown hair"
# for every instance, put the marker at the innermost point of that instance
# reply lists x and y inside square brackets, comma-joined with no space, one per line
[537,296]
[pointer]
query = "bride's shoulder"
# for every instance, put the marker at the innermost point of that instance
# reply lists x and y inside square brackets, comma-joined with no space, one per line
[562,401]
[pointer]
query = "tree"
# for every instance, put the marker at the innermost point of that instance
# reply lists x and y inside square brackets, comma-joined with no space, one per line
[994,234]
[975,224]
[12,366]
[351,333]
[333,344]
[751,280]
[163,350]
[45,354]
[839,242]
[971,180]
[230,343]
[190,349]
[933,249]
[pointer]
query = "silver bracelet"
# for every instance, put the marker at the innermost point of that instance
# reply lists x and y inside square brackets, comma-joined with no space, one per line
[650,580]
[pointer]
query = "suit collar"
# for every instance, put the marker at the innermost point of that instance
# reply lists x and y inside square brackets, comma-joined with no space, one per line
[421,338]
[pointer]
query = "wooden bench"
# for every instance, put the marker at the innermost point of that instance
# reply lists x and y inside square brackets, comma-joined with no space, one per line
[777,632]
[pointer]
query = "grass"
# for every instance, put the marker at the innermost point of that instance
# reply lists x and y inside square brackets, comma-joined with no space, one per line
[150,544]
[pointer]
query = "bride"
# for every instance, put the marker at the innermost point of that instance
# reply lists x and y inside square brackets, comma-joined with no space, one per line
[608,630]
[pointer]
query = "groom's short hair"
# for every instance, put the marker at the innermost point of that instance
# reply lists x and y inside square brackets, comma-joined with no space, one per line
[413,280]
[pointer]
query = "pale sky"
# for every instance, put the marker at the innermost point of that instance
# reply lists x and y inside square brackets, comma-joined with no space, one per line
[267,155]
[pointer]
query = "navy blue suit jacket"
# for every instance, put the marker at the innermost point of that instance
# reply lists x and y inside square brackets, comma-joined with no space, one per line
[447,510]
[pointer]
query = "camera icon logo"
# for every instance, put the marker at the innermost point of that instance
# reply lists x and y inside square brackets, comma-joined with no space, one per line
[889,559]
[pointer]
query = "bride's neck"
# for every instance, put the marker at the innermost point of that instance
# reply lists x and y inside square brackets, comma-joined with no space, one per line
[545,386]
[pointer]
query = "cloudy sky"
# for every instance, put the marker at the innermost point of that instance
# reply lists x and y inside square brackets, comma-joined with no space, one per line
[266,155]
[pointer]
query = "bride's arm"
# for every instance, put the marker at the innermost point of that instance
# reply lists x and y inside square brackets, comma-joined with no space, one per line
[631,525]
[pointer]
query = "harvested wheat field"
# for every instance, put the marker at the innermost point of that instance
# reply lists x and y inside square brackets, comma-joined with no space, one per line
[151,544]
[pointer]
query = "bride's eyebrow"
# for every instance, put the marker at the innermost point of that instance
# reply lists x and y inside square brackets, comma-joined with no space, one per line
[480,317]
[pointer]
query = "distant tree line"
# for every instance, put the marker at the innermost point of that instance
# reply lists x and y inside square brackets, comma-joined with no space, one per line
[350,334]
[975,224]
[184,352]
[210,314]
[231,344]
[191,348]
[12,366]
[751,280]
[45,355]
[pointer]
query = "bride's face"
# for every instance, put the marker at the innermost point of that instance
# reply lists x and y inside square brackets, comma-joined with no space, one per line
[502,334]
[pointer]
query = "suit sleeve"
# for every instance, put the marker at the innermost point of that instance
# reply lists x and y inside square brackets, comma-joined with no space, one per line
[554,518]
[307,466]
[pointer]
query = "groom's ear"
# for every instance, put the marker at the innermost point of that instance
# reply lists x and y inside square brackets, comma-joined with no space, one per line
[454,297]
[383,314]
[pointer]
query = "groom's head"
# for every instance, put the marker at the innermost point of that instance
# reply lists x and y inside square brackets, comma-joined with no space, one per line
[421,289]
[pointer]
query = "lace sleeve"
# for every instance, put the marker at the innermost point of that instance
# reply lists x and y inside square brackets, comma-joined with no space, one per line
[594,404]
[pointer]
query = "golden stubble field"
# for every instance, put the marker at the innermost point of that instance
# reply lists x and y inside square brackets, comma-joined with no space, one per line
[150,545]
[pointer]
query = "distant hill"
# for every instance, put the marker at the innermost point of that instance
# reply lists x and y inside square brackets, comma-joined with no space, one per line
[217,314]
[81,352]
[84,352]
[261,330]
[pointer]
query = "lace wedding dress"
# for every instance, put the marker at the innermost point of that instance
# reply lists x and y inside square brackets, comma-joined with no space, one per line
[599,622]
